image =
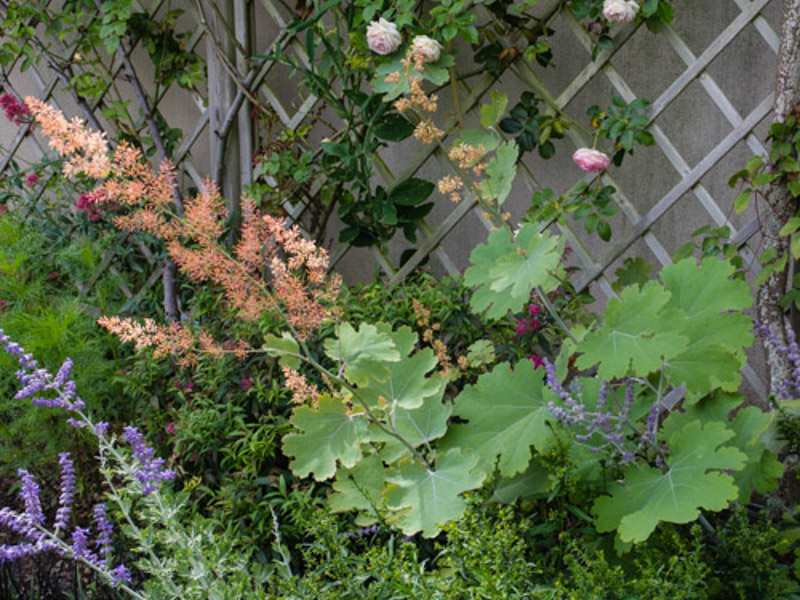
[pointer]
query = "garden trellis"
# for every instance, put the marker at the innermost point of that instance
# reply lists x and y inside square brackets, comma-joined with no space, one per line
[722,67]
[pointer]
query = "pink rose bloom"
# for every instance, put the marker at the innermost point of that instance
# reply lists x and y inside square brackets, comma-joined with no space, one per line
[591,161]
[383,37]
[620,11]
[32,179]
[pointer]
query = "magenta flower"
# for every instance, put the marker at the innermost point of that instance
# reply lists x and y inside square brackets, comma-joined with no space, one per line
[591,161]
[31,179]
[537,361]
[15,111]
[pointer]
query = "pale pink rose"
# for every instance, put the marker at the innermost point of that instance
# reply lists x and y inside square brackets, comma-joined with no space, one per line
[427,47]
[620,11]
[383,37]
[591,161]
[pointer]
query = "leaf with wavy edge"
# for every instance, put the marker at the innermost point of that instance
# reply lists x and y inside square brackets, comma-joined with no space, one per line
[324,435]
[507,415]
[364,353]
[692,482]
[359,488]
[637,334]
[427,499]
[505,270]
[717,338]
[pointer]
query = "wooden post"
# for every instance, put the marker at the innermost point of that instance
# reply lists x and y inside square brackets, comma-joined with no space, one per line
[221,92]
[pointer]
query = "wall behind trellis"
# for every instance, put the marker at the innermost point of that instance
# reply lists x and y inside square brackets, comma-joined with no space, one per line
[709,77]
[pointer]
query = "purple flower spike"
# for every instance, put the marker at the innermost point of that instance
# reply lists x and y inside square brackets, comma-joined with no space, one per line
[151,471]
[104,531]
[80,544]
[67,491]
[30,496]
[120,574]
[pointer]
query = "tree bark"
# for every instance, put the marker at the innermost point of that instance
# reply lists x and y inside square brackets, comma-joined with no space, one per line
[782,205]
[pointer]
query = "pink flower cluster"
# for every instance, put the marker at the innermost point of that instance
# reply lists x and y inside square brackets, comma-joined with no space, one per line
[93,205]
[15,111]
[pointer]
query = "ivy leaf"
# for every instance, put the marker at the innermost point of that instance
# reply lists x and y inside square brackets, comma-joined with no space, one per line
[507,415]
[364,353]
[692,482]
[359,488]
[507,270]
[429,498]
[636,336]
[327,434]
[500,172]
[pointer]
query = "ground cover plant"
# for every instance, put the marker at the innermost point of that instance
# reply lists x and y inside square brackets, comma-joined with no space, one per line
[283,435]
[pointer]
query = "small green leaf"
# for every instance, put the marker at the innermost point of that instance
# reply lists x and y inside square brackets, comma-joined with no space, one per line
[393,127]
[284,347]
[742,200]
[491,113]
[500,173]
[411,191]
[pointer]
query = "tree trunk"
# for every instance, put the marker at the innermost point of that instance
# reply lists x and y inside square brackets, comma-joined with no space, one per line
[783,205]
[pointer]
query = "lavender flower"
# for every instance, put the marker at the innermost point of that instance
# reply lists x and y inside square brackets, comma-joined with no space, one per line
[603,423]
[151,471]
[104,531]
[30,496]
[120,574]
[43,389]
[790,388]
[67,491]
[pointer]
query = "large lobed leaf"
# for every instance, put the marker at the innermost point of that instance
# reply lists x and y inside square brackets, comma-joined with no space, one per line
[714,356]
[409,381]
[693,481]
[427,498]
[636,336]
[506,415]
[505,270]
[325,434]
[363,353]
